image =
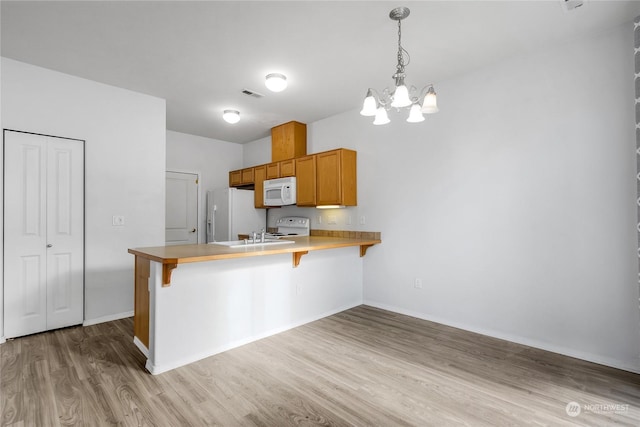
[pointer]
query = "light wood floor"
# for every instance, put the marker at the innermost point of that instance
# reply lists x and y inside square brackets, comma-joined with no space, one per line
[361,367]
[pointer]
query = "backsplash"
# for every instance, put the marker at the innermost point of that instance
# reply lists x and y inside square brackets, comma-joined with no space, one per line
[339,233]
[347,234]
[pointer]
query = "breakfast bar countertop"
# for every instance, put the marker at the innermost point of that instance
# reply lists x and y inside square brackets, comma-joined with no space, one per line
[171,256]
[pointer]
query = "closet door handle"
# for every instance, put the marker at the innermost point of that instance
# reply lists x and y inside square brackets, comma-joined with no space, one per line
[193,231]
[49,245]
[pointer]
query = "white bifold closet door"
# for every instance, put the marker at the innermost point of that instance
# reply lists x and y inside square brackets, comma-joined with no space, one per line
[43,233]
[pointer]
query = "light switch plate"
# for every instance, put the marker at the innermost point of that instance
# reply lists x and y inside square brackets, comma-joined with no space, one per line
[117,220]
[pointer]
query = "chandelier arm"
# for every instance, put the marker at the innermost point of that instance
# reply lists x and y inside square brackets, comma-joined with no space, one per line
[375,92]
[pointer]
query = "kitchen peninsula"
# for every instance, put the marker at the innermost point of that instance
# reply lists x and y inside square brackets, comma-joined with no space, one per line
[193,301]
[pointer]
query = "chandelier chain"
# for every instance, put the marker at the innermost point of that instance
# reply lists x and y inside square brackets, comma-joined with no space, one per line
[401,51]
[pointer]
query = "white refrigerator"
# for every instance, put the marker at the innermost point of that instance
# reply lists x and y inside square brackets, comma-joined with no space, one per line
[231,211]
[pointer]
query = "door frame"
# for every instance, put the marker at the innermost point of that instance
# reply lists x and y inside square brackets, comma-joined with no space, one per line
[84,220]
[198,199]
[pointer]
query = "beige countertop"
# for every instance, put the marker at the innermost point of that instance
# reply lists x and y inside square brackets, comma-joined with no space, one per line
[171,256]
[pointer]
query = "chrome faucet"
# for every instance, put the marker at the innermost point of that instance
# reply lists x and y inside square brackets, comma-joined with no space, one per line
[254,236]
[262,236]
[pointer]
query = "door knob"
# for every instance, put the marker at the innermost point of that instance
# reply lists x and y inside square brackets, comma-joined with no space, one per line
[193,231]
[49,245]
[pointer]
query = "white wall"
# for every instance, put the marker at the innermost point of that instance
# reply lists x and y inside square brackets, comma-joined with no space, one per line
[124,134]
[256,152]
[212,159]
[515,204]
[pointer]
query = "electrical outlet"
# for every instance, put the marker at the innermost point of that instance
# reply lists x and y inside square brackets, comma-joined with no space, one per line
[298,289]
[363,220]
[332,219]
[117,220]
[417,283]
[319,219]
[349,220]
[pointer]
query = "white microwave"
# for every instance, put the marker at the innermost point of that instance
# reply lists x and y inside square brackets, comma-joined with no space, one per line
[280,192]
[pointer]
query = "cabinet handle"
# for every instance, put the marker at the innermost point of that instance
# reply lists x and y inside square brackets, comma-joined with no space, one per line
[49,245]
[193,231]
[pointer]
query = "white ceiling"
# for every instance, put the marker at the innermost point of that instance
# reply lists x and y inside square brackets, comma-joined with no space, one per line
[200,55]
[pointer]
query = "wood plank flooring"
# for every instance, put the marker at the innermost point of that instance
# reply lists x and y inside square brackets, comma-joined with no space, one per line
[363,367]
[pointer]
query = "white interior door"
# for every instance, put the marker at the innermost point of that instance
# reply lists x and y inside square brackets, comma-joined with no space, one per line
[43,233]
[181,214]
[65,232]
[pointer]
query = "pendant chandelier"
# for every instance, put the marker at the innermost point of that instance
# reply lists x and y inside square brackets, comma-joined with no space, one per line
[425,101]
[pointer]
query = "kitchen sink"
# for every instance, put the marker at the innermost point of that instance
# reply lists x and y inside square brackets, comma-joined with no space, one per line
[242,244]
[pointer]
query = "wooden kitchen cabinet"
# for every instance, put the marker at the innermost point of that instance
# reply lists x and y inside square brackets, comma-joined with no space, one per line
[235,178]
[287,168]
[247,176]
[306,181]
[336,178]
[241,177]
[327,178]
[288,141]
[273,170]
[259,175]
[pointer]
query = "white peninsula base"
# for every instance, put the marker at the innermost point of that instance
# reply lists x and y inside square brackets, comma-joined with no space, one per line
[214,306]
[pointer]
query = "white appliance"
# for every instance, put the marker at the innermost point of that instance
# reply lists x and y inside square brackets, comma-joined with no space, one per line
[280,192]
[292,226]
[231,211]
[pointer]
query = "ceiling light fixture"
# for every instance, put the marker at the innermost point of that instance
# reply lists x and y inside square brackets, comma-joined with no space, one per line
[231,116]
[276,82]
[402,97]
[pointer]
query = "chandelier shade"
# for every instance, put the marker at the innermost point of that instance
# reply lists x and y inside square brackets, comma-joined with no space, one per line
[400,96]
[430,103]
[415,114]
[370,105]
[381,117]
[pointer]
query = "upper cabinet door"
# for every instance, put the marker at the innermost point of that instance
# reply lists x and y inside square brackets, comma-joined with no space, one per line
[329,188]
[259,175]
[287,168]
[336,178]
[288,141]
[273,170]
[306,181]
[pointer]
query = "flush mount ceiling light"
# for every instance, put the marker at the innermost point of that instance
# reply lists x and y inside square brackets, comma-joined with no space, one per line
[276,82]
[425,101]
[231,116]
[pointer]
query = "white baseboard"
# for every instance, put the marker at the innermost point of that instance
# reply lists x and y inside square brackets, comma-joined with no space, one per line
[613,363]
[143,348]
[108,318]
[159,369]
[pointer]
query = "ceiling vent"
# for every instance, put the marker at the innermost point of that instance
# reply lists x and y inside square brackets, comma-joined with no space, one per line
[570,5]
[252,93]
